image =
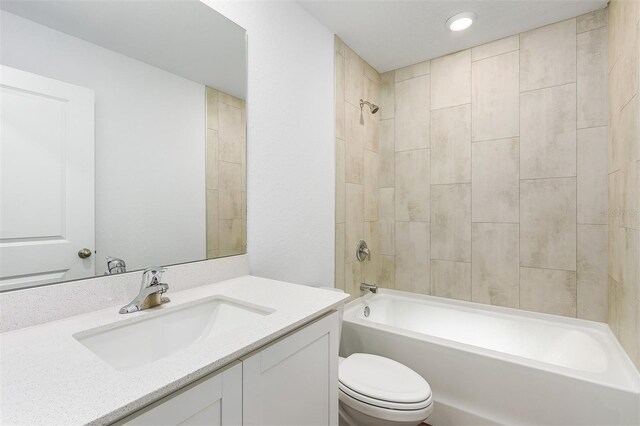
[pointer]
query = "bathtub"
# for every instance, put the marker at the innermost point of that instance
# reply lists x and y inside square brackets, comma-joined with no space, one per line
[493,365]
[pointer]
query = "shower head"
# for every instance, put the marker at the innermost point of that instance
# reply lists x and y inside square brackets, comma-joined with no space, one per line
[374,108]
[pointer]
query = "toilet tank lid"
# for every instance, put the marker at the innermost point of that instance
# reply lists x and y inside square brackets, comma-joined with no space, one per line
[383,378]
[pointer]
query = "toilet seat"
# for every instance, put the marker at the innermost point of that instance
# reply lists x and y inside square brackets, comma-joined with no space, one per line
[382,379]
[383,388]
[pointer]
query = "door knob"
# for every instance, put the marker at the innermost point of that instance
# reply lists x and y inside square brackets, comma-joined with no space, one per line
[84,253]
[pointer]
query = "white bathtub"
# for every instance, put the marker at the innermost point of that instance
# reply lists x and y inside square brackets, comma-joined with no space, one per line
[492,365]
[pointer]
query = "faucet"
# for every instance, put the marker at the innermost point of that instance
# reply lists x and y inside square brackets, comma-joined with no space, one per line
[151,291]
[373,288]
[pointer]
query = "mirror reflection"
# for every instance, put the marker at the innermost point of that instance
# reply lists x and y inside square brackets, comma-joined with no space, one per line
[123,138]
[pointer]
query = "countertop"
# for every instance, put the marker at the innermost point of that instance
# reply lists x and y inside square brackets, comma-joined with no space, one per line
[48,378]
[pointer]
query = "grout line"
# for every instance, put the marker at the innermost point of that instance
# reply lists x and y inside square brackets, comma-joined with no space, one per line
[497,54]
[549,178]
[450,106]
[452,261]
[497,139]
[549,87]
[548,269]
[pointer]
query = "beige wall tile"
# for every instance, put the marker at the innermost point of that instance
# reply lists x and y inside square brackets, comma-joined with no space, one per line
[624,136]
[415,70]
[498,47]
[592,272]
[592,175]
[340,182]
[353,279]
[339,45]
[592,20]
[412,185]
[212,108]
[339,95]
[230,190]
[412,114]
[212,221]
[451,220]
[496,184]
[340,256]
[231,133]
[548,223]
[412,271]
[495,269]
[387,272]
[354,145]
[353,81]
[451,145]
[548,56]
[631,200]
[496,97]
[592,78]
[451,80]
[613,316]
[231,237]
[548,291]
[386,220]
[548,132]
[355,220]
[371,187]
[371,267]
[371,121]
[212,159]
[387,153]
[371,73]
[229,100]
[387,95]
[451,279]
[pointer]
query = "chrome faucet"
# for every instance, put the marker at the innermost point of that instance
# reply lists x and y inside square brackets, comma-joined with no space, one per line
[373,288]
[151,291]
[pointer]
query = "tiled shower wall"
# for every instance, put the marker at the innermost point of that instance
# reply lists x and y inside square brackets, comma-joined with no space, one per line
[624,175]
[226,175]
[357,164]
[492,172]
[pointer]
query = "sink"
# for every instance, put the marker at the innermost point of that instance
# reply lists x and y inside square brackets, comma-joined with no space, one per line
[155,335]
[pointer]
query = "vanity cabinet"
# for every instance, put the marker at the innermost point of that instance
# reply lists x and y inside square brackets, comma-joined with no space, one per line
[213,400]
[294,381]
[291,381]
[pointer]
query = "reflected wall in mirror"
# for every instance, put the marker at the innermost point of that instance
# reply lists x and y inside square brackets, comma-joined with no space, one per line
[122,141]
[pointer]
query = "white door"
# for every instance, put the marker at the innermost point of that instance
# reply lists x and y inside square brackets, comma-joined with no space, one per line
[46,180]
[294,381]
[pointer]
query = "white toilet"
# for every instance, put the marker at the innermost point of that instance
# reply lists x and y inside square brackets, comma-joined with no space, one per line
[376,391]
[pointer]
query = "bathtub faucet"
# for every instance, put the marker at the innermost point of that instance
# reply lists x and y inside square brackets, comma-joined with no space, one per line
[373,288]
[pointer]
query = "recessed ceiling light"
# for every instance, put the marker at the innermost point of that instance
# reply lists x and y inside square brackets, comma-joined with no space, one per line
[461,21]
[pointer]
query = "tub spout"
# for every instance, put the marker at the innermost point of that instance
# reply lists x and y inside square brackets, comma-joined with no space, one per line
[373,288]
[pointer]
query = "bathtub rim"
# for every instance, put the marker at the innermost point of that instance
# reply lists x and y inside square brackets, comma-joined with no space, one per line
[631,385]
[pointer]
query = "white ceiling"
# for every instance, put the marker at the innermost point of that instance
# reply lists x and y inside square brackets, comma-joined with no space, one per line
[393,34]
[184,37]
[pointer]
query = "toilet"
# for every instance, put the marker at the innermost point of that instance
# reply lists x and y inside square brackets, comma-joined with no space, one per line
[376,391]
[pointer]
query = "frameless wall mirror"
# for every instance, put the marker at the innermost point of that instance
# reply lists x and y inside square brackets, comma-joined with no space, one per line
[122,137]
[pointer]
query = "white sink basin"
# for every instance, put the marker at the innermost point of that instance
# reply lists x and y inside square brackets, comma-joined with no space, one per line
[158,334]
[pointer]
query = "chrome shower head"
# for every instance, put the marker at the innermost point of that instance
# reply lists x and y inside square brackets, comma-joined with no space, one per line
[374,108]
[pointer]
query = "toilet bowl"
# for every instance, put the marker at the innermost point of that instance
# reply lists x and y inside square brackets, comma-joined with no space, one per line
[378,391]
[374,390]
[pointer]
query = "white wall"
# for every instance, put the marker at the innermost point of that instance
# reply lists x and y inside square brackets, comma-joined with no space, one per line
[291,165]
[150,144]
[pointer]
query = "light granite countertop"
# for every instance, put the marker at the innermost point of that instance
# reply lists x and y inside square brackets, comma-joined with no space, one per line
[48,378]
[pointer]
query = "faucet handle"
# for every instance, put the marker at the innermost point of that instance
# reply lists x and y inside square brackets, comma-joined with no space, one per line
[152,276]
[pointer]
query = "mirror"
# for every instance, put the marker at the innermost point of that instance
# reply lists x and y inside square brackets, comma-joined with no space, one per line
[123,138]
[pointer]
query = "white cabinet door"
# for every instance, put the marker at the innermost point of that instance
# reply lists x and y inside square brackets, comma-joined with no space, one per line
[212,400]
[294,381]
[46,179]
